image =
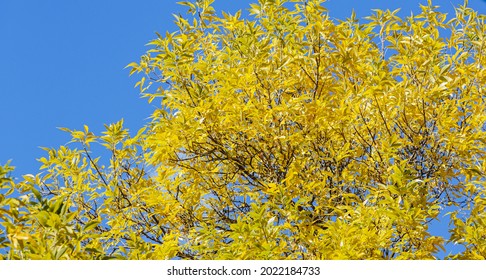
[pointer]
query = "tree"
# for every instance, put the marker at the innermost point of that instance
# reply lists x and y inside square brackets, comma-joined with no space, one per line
[281,135]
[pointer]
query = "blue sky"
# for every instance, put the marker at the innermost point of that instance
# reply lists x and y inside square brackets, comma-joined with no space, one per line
[62,64]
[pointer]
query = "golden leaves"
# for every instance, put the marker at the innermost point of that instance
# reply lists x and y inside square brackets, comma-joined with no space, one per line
[281,136]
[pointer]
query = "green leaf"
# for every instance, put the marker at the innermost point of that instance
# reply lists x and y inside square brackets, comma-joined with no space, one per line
[91,225]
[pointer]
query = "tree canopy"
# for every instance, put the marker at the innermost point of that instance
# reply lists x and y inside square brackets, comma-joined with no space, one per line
[284,134]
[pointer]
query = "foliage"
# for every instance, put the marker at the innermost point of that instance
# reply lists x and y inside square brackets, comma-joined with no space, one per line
[281,135]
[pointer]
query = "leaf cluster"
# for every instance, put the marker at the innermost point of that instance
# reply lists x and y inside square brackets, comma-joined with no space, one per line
[282,135]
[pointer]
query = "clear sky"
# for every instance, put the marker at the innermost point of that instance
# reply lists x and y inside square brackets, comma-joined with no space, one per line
[62,64]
